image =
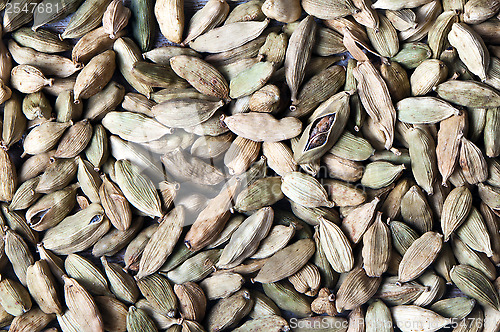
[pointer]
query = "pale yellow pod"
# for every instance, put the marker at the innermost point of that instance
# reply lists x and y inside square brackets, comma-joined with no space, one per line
[170,17]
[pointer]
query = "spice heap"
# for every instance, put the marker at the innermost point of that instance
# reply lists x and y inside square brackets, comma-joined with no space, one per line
[251,173]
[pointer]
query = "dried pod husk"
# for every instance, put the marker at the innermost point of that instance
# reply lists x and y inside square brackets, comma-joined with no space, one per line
[74,140]
[49,64]
[380,174]
[376,248]
[185,167]
[201,75]
[489,195]
[77,232]
[138,320]
[159,318]
[25,195]
[424,110]
[415,210]
[412,54]
[274,49]
[304,190]
[266,99]
[421,253]
[114,313]
[342,169]
[57,175]
[378,317]
[94,76]
[302,249]
[207,147]
[438,33]
[135,102]
[327,10]
[324,303]
[170,17]
[448,143]
[455,307]
[472,162]
[298,54]
[282,10]
[384,37]
[335,246]
[492,133]
[427,75]
[128,53]
[8,177]
[352,147]
[82,305]
[211,15]
[226,313]
[121,283]
[65,108]
[115,18]
[263,306]
[93,43]
[231,226]
[44,137]
[474,233]
[381,109]
[392,204]
[263,192]
[475,284]
[222,285]
[162,242]
[18,253]
[115,205]
[478,11]
[396,78]
[211,221]
[423,159]
[426,15]
[136,247]
[356,289]
[477,121]
[33,320]
[436,287]
[17,223]
[287,298]
[155,75]
[252,79]
[36,105]
[97,150]
[116,239]
[192,301]
[250,49]
[185,112]
[491,222]
[144,26]
[405,316]
[343,193]
[41,40]
[52,208]
[137,188]
[239,33]
[465,255]
[86,18]
[469,93]
[247,11]
[241,247]
[359,220]
[402,19]
[316,90]
[104,101]
[42,287]
[196,267]
[29,79]
[456,208]
[327,124]
[471,49]
[307,280]
[14,298]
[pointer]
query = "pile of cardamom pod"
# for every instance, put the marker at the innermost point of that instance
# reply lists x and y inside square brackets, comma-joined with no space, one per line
[303,165]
